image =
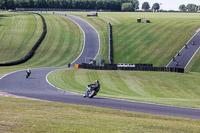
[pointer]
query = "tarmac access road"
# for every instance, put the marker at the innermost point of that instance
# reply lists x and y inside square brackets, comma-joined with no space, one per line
[37,87]
[185,55]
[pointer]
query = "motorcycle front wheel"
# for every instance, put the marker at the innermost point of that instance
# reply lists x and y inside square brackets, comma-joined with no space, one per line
[92,94]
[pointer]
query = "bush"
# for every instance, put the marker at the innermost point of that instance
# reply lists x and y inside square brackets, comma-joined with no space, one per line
[127,7]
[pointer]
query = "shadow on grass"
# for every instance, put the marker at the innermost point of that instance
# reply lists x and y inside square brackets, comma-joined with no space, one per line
[10,15]
[1,16]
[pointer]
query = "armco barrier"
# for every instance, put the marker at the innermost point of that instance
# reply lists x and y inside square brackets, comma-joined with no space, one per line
[32,52]
[110,44]
[138,67]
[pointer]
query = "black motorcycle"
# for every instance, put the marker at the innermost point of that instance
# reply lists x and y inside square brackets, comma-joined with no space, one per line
[93,91]
[28,73]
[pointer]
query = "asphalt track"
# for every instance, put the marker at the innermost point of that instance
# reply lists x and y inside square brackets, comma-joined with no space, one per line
[37,87]
[185,55]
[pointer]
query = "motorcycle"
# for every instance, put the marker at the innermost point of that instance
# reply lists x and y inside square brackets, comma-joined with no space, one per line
[28,73]
[93,91]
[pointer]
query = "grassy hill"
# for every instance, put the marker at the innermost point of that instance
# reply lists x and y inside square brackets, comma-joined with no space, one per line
[154,87]
[62,44]
[154,43]
[18,115]
[16,40]
[194,65]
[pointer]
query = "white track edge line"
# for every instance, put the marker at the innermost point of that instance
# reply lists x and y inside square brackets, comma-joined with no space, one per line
[58,87]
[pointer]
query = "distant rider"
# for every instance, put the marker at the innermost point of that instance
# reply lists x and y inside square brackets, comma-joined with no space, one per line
[28,73]
[95,86]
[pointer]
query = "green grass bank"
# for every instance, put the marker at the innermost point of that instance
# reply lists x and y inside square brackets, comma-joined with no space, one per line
[152,87]
[18,115]
[154,43]
[18,34]
[62,44]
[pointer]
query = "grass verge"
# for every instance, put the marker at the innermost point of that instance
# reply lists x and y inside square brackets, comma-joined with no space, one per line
[62,44]
[153,87]
[18,34]
[154,43]
[18,115]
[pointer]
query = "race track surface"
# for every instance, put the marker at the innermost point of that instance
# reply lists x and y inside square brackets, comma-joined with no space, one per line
[38,88]
[185,55]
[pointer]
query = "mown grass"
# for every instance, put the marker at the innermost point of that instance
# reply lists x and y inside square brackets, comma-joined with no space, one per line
[194,65]
[153,87]
[154,43]
[37,116]
[62,44]
[18,33]
[18,115]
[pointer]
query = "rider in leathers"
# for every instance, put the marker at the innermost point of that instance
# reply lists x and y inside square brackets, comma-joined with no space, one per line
[96,86]
[28,72]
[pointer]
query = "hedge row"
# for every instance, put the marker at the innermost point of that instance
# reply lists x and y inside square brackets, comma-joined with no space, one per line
[110,44]
[32,52]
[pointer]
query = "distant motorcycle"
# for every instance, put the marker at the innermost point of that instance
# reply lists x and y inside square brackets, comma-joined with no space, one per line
[28,73]
[93,90]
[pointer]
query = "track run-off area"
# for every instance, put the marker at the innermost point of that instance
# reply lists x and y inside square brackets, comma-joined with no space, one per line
[37,86]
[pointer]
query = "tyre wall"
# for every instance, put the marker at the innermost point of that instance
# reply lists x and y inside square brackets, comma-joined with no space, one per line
[138,67]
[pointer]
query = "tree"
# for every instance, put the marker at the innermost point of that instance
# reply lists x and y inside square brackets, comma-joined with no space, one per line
[135,4]
[156,7]
[191,7]
[182,8]
[99,4]
[2,4]
[127,7]
[145,6]
[198,8]
[31,4]
[10,4]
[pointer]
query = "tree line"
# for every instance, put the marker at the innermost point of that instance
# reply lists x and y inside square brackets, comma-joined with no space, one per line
[114,5]
[146,6]
[182,7]
[189,8]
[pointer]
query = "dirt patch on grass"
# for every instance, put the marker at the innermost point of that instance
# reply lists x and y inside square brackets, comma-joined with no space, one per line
[8,126]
